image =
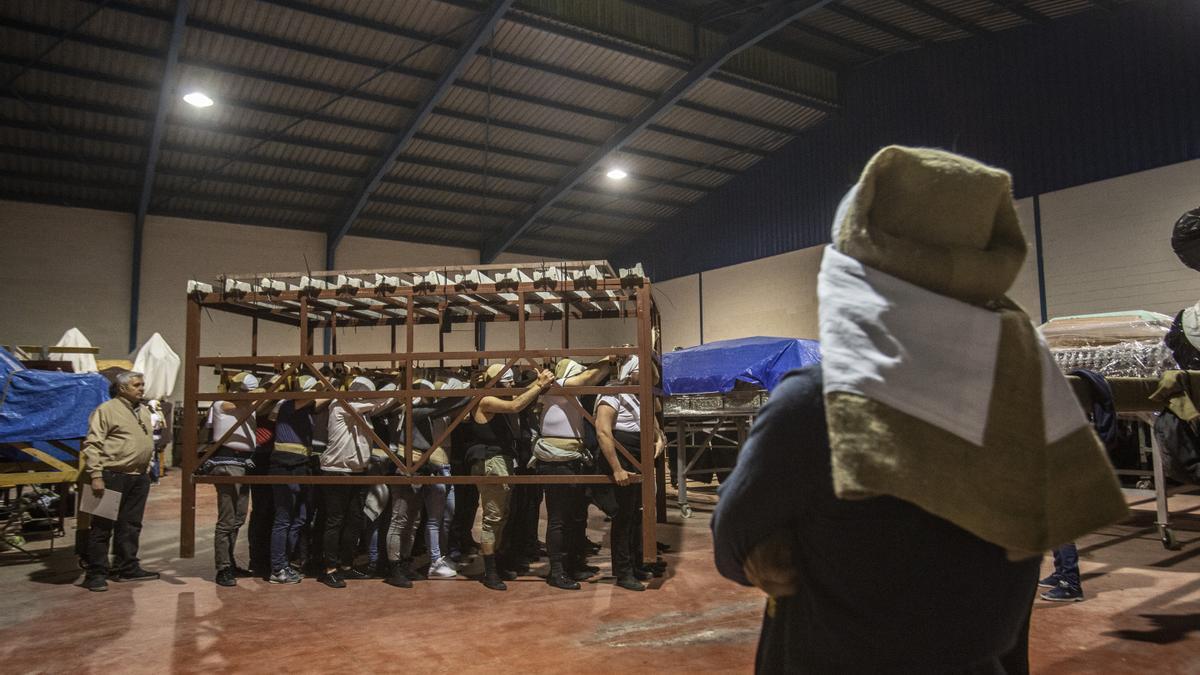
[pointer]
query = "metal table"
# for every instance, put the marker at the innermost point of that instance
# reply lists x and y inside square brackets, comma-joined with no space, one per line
[704,422]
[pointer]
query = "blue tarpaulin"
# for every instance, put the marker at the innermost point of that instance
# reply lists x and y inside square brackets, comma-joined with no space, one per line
[717,367]
[43,405]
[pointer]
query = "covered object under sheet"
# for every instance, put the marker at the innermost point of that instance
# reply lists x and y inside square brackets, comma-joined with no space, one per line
[718,367]
[714,391]
[42,405]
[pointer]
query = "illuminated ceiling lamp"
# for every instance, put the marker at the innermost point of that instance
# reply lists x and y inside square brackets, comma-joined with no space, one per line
[616,173]
[198,99]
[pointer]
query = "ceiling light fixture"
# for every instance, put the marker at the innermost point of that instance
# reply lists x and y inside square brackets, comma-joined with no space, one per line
[198,99]
[616,174]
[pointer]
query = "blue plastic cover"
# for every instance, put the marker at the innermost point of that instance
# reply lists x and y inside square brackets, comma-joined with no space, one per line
[43,405]
[717,366]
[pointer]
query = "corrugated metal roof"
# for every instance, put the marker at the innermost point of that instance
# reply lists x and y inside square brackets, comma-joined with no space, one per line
[544,46]
[858,32]
[1057,8]
[291,139]
[907,18]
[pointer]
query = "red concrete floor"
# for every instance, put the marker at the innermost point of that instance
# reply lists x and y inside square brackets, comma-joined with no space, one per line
[1142,613]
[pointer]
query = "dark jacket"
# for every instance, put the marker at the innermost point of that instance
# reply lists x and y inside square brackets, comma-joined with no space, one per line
[884,586]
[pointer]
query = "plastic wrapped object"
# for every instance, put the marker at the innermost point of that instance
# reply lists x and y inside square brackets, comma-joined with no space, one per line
[1117,344]
[718,367]
[1185,239]
[41,405]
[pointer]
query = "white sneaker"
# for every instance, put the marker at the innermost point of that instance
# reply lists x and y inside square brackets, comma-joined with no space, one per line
[442,569]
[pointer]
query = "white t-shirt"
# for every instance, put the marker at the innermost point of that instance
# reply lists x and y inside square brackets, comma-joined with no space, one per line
[629,411]
[349,446]
[560,417]
[242,439]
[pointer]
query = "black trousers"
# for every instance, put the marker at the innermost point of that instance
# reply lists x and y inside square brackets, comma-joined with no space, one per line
[521,529]
[342,510]
[466,506]
[626,533]
[626,537]
[564,506]
[262,517]
[127,528]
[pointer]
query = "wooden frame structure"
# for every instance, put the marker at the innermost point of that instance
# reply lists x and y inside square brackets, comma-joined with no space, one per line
[44,467]
[408,297]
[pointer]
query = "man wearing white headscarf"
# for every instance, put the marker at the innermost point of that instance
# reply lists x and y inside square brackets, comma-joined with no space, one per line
[348,453]
[231,459]
[558,450]
[290,457]
[619,420]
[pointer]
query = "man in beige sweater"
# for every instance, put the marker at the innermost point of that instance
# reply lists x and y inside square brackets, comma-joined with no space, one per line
[116,456]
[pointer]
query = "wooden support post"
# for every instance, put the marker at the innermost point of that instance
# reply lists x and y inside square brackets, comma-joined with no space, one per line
[649,434]
[191,386]
[409,322]
[521,320]
[393,343]
[566,325]
[254,336]
[306,334]
[333,330]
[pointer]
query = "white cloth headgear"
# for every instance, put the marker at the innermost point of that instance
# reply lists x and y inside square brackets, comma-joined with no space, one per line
[361,383]
[249,382]
[628,368]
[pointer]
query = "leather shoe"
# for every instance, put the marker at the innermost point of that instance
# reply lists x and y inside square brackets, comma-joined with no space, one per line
[95,583]
[351,574]
[561,581]
[136,574]
[332,580]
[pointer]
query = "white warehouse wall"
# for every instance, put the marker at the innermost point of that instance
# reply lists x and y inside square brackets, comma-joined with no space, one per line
[1107,245]
[63,268]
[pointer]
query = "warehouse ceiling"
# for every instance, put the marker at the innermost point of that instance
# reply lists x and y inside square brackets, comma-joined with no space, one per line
[451,122]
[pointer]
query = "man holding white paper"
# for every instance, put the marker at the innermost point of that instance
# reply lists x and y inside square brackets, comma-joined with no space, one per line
[116,457]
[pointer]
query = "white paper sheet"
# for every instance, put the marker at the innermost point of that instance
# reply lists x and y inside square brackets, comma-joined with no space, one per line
[108,505]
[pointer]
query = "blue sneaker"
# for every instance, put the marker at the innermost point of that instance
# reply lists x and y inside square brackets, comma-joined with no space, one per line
[285,576]
[1064,592]
[1050,581]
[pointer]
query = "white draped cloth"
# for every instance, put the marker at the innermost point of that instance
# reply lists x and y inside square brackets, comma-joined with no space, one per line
[160,365]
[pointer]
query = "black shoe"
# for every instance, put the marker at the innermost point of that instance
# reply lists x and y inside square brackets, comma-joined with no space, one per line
[1050,581]
[351,574]
[1064,592]
[413,571]
[242,572]
[332,580]
[95,583]
[642,574]
[580,574]
[592,546]
[380,570]
[506,574]
[630,584]
[494,582]
[560,581]
[396,577]
[225,577]
[137,574]
[661,547]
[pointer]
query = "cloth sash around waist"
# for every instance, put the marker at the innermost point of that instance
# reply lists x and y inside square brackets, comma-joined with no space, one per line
[551,449]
